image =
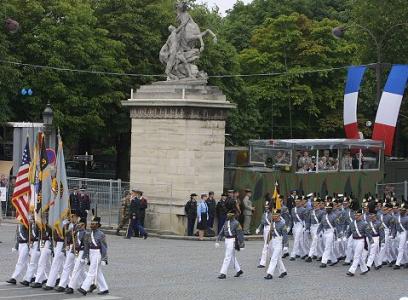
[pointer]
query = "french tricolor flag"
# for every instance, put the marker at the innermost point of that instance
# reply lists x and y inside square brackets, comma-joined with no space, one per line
[388,109]
[354,77]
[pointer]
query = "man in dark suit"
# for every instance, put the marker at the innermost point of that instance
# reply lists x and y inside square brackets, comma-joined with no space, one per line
[134,215]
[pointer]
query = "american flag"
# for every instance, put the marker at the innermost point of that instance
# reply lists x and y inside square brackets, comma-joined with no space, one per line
[22,190]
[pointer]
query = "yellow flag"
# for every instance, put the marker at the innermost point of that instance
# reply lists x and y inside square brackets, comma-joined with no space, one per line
[278,204]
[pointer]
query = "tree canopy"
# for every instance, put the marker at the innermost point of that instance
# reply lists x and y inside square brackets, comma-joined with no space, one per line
[266,36]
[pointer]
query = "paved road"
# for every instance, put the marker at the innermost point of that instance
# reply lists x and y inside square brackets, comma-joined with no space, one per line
[171,269]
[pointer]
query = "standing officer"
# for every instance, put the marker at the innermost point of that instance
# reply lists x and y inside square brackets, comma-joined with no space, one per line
[23,252]
[191,212]
[221,210]
[84,203]
[96,252]
[248,210]
[234,240]
[277,237]
[124,212]
[211,210]
[134,215]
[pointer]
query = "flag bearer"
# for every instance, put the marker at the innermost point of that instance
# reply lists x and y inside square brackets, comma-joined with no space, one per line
[23,252]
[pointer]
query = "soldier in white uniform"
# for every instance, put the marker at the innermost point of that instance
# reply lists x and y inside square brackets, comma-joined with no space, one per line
[34,253]
[234,241]
[57,262]
[69,263]
[23,252]
[46,248]
[277,237]
[96,251]
[401,227]
[360,231]
[312,224]
[79,240]
[298,217]
[264,228]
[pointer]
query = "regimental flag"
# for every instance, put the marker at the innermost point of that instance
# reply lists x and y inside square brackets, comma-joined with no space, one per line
[59,207]
[44,182]
[34,180]
[275,196]
[22,191]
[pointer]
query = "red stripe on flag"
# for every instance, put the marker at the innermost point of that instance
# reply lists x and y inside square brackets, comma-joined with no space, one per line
[384,133]
[352,131]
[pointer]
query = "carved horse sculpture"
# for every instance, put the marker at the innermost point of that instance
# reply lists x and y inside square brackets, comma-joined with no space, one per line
[188,30]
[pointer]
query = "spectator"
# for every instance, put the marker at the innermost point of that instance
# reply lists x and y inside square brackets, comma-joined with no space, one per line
[143,207]
[304,162]
[202,216]
[221,211]
[211,210]
[134,215]
[191,212]
[247,211]
[346,161]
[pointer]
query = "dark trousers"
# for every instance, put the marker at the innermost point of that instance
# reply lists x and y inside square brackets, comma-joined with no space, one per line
[142,216]
[221,221]
[134,226]
[210,221]
[190,226]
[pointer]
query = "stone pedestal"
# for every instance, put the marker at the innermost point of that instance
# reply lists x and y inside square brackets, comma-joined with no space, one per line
[177,146]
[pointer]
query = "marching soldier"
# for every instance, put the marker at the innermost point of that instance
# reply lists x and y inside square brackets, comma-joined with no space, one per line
[234,240]
[96,251]
[22,247]
[312,225]
[360,231]
[387,222]
[46,248]
[69,253]
[264,228]
[347,217]
[124,212]
[377,232]
[78,274]
[34,253]
[401,227]
[329,224]
[285,216]
[278,234]
[298,217]
[57,262]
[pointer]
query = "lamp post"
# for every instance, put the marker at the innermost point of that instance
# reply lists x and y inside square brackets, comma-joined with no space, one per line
[48,116]
[338,32]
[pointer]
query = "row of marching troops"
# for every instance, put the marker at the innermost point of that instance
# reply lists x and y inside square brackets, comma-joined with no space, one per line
[328,230]
[58,261]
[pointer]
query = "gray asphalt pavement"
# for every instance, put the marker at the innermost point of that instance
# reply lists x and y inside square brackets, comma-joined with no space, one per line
[173,269]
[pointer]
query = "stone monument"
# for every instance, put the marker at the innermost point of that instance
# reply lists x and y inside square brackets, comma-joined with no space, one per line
[178,130]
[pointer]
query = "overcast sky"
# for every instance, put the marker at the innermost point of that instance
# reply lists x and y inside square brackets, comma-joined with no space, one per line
[222,4]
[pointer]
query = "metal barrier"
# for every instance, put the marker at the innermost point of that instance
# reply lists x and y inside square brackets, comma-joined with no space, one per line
[106,195]
[398,189]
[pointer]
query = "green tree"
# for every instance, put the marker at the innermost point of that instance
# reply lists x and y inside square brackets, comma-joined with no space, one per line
[297,45]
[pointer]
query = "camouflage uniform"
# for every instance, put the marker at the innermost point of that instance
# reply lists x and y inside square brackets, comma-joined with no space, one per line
[124,214]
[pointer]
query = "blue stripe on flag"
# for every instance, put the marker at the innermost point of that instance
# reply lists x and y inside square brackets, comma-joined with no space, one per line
[397,80]
[354,77]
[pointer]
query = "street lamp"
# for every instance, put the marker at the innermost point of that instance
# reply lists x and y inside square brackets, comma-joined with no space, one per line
[339,32]
[48,116]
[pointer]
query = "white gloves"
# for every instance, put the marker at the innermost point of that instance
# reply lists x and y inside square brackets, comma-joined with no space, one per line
[242,249]
[13,250]
[217,245]
[103,263]
[285,248]
[344,239]
[339,240]
[257,231]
